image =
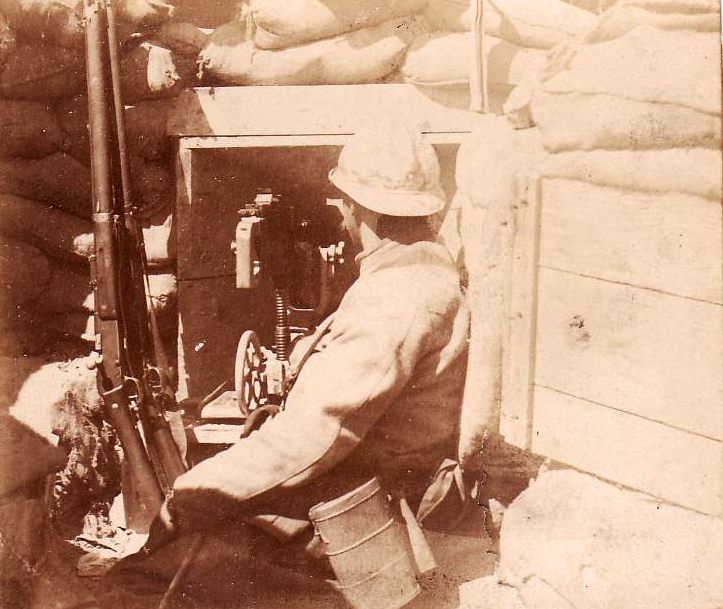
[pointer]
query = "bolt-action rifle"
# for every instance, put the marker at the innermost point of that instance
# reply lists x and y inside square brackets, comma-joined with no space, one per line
[133,373]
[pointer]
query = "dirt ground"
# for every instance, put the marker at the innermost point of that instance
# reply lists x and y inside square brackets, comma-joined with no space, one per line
[219,578]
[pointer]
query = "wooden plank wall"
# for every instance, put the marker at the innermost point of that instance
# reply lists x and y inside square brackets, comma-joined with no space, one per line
[615,363]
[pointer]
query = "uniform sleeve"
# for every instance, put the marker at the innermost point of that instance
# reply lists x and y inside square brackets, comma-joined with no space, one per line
[342,390]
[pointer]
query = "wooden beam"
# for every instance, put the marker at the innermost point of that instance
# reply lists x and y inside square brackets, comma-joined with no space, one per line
[669,242]
[518,357]
[307,111]
[674,465]
[635,350]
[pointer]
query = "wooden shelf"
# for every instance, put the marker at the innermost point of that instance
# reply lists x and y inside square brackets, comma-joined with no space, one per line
[295,116]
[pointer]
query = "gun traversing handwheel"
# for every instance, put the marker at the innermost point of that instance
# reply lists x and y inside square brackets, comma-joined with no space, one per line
[248,373]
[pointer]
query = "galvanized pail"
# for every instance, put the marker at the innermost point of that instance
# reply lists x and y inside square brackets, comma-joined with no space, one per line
[368,548]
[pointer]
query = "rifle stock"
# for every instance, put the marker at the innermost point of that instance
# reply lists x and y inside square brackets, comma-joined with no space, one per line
[133,387]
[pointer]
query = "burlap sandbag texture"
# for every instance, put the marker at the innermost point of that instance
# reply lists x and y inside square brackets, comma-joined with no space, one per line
[46,72]
[209,13]
[363,56]
[579,121]
[443,59]
[55,232]
[42,72]
[28,129]
[58,180]
[690,171]
[145,128]
[25,274]
[626,16]
[541,24]
[60,22]
[294,22]
[648,89]
[180,37]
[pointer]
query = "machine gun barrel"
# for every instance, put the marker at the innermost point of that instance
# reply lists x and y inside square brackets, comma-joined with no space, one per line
[128,377]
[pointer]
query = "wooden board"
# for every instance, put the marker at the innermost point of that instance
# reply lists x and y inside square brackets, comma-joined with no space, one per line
[632,349]
[309,110]
[669,242]
[668,463]
[518,364]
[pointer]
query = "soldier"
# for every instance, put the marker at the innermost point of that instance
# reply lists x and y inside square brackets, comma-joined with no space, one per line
[381,393]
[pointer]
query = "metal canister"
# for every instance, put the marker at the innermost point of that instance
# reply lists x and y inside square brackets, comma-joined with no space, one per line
[368,548]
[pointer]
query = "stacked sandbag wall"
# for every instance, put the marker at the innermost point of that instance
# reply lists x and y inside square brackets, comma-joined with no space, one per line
[621,225]
[45,183]
[628,120]
[518,36]
[634,110]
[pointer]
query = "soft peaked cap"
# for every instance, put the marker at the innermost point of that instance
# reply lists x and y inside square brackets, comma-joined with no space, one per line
[390,171]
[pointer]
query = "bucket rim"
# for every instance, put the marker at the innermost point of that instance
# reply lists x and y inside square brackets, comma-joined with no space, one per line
[327,510]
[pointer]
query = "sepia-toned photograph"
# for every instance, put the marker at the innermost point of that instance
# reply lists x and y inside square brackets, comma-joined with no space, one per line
[361,304]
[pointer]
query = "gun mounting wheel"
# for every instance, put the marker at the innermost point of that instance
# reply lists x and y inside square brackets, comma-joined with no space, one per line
[248,372]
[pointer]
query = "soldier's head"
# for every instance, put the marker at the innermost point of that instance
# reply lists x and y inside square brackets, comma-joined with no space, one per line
[390,177]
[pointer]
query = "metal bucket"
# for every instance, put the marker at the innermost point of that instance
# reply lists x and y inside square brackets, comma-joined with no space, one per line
[368,548]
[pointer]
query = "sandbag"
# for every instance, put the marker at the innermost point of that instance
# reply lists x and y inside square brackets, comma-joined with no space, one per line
[42,72]
[58,180]
[158,241]
[624,17]
[53,21]
[25,272]
[7,39]
[45,72]
[149,71]
[586,540]
[163,289]
[145,123]
[678,6]
[647,65]
[284,24]
[209,13]
[597,7]
[17,441]
[541,24]
[55,232]
[143,13]
[153,187]
[60,22]
[577,121]
[488,164]
[68,289]
[180,37]
[145,128]
[28,129]
[691,171]
[74,325]
[444,59]
[362,56]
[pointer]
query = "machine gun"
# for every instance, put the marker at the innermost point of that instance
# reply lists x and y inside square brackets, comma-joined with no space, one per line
[302,259]
[133,373]
[271,240]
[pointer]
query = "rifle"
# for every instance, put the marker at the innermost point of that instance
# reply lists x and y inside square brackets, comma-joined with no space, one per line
[132,369]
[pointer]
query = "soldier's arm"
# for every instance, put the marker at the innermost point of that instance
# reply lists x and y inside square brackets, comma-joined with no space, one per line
[342,390]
